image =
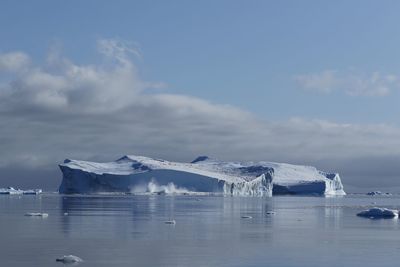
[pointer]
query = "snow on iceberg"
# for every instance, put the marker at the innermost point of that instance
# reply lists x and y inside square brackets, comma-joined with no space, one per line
[378,213]
[142,174]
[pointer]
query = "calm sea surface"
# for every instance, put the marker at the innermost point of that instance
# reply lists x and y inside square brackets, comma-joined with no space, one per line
[209,231]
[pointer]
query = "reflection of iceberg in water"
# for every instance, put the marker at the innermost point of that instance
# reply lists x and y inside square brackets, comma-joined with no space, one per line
[140,215]
[206,224]
[100,211]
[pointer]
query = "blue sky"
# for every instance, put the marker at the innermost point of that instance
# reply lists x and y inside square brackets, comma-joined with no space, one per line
[243,53]
[309,82]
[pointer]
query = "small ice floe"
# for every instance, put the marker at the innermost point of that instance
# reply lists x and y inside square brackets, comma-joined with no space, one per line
[37,214]
[378,193]
[170,222]
[246,217]
[376,213]
[270,213]
[65,213]
[69,259]
[15,191]
[32,192]
[11,191]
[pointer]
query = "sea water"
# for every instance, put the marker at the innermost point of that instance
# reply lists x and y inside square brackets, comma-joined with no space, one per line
[131,230]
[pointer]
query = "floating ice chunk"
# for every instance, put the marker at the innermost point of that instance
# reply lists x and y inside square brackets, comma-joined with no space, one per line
[270,213]
[378,193]
[37,214]
[246,217]
[32,192]
[12,191]
[69,259]
[378,213]
[170,222]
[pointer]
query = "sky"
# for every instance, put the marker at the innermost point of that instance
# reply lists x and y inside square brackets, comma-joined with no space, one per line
[305,82]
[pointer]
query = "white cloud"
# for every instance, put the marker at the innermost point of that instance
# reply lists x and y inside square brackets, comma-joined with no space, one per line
[14,61]
[350,82]
[118,50]
[323,82]
[77,88]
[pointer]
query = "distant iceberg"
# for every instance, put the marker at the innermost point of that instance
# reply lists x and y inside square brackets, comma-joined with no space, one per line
[37,214]
[69,259]
[12,191]
[378,193]
[137,174]
[378,213]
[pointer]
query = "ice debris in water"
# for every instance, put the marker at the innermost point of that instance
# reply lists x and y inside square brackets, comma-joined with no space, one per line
[170,188]
[270,212]
[378,193]
[170,222]
[37,214]
[69,259]
[378,213]
[247,217]
[16,191]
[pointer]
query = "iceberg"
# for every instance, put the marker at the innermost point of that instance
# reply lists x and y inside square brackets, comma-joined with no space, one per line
[378,193]
[69,259]
[138,174]
[378,213]
[32,192]
[12,191]
[37,214]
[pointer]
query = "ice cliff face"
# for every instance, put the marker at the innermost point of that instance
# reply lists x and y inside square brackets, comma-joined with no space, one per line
[136,174]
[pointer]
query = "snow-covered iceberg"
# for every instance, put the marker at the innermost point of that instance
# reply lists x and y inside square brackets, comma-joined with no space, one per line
[137,174]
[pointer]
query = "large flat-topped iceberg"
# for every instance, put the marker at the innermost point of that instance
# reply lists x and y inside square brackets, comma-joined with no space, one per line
[137,174]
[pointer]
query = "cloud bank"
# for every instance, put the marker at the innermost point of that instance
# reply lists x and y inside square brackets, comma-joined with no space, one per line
[100,112]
